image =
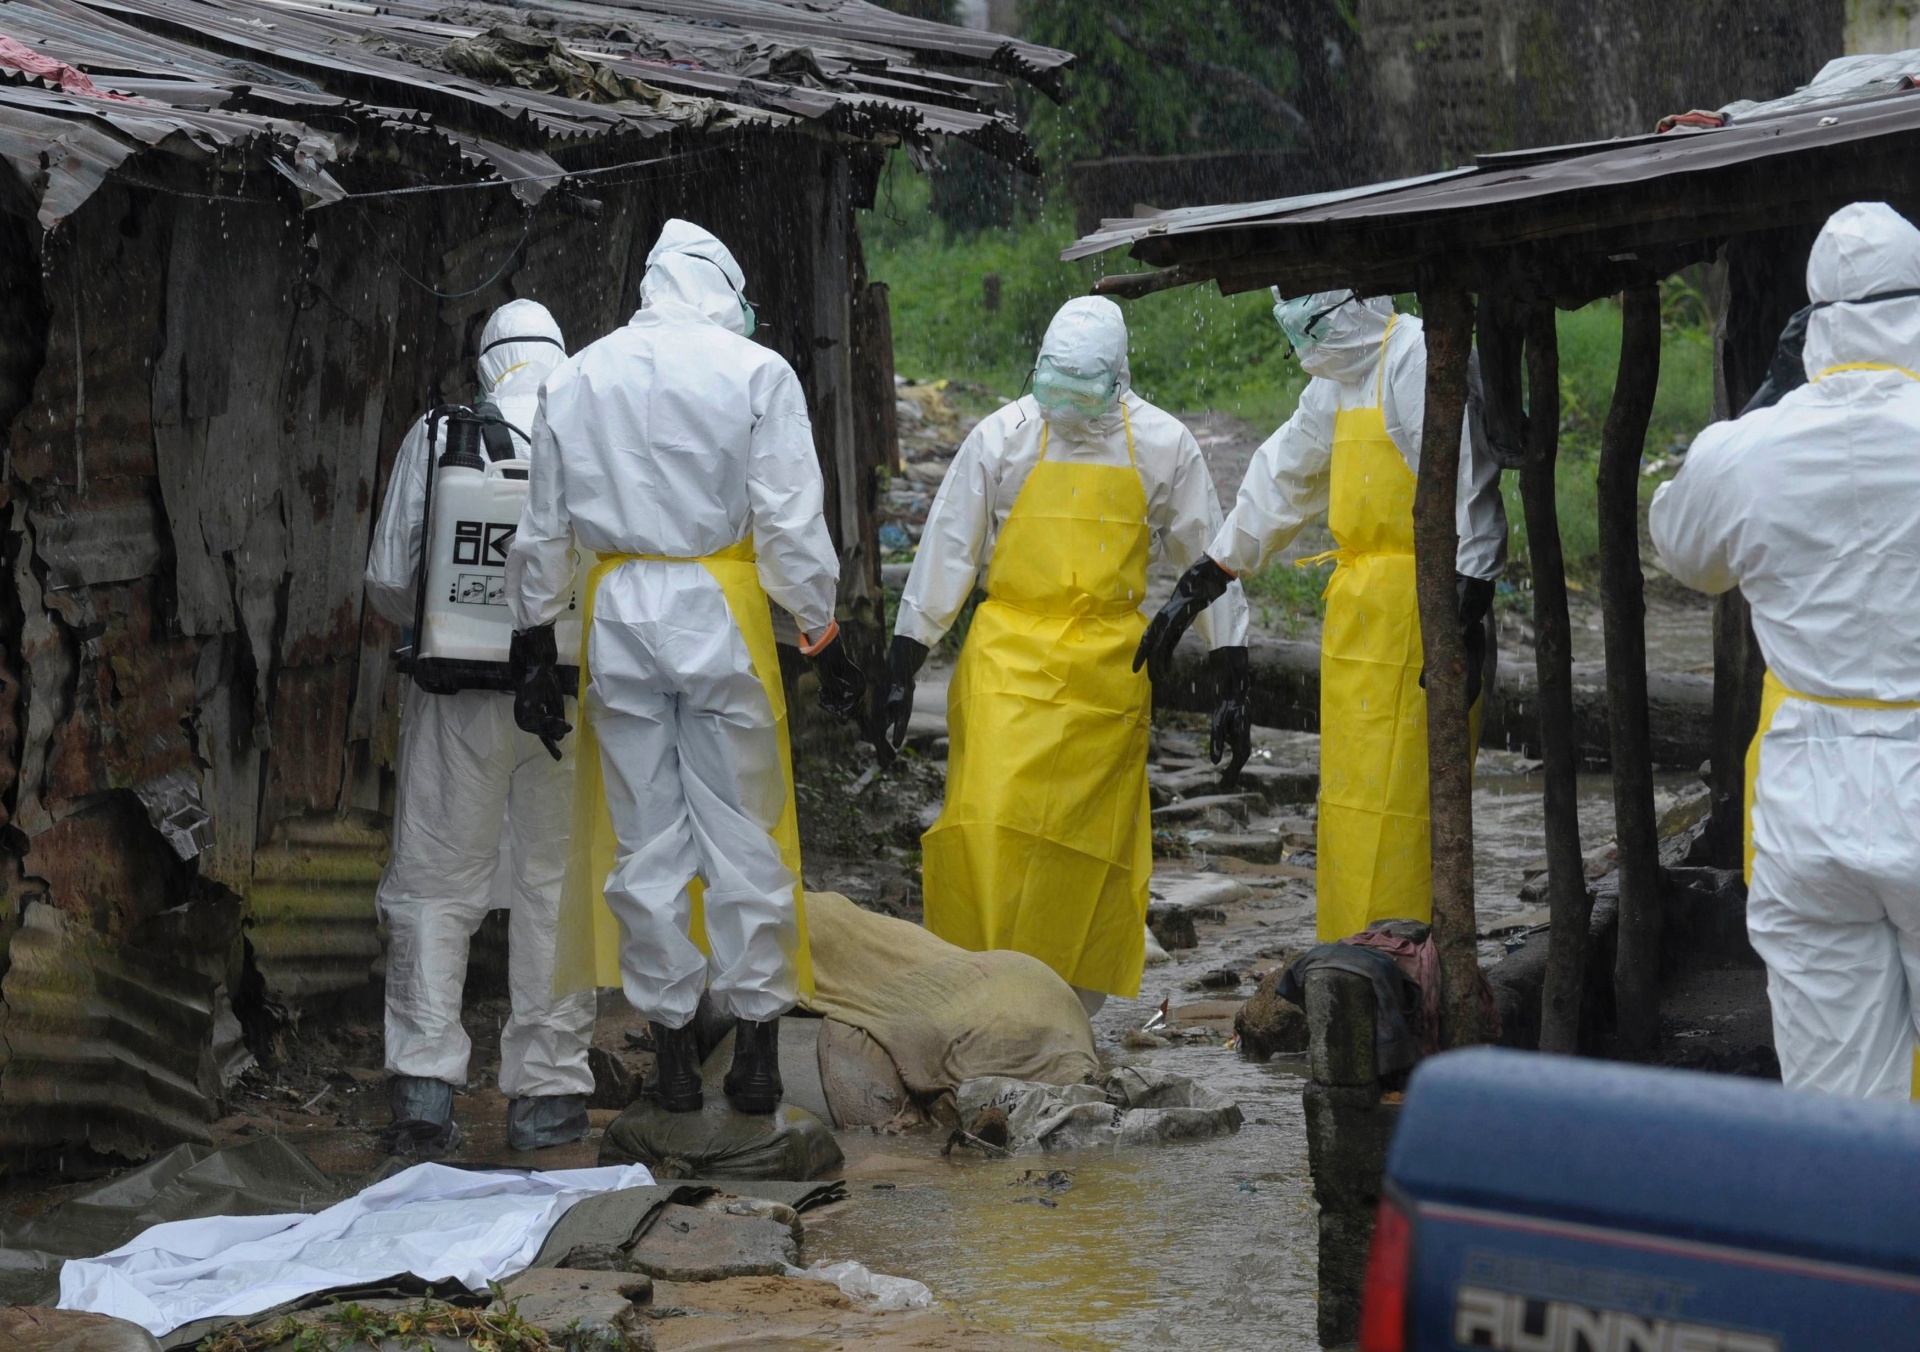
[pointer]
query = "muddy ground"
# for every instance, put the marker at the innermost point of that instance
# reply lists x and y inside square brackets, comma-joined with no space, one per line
[1207,1245]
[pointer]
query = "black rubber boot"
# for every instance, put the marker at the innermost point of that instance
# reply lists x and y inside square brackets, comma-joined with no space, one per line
[753,1080]
[535,1123]
[423,1125]
[676,1069]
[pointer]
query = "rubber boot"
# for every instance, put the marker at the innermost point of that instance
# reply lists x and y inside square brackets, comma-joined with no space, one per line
[753,1080]
[536,1122]
[423,1125]
[676,1069]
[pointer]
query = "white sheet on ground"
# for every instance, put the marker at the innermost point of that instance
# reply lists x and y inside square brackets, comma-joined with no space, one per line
[435,1222]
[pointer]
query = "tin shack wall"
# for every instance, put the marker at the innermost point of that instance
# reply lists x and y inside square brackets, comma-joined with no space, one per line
[198,714]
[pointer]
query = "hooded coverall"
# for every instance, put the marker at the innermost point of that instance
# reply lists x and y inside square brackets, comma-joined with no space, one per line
[1045,843]
[1352,450]
[1812,508]
[464,767]
[680,453]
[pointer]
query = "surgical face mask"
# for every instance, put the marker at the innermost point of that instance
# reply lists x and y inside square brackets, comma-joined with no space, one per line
[746,313]
[1305,323]
[1063,394]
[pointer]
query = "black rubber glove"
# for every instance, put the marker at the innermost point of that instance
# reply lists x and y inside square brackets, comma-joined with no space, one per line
[841,684]
[904,660]
[1199,587]
[1473,601]
[539,701]
[1233,716]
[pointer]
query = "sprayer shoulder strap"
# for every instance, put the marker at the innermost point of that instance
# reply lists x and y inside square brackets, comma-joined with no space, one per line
[496,433]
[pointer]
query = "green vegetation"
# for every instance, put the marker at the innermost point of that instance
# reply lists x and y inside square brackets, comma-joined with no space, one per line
[1589,357]
[1190,348]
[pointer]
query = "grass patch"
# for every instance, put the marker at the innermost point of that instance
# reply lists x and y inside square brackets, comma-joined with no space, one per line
[1589,360]
[1191,349]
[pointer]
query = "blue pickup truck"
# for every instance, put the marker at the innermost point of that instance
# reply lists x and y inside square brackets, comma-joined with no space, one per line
[1546,1204]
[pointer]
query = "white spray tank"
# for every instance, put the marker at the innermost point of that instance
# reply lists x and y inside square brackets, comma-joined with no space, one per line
[463,627]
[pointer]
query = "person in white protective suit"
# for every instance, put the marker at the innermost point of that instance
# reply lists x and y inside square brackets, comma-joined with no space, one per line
[1056,504]
[464,766]
[1812,509]
[1351,450]
[681,454]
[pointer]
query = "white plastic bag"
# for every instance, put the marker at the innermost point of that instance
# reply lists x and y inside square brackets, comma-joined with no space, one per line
[875,1290]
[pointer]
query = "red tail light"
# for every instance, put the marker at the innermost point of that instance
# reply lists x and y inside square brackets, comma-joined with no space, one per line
[1383,1301]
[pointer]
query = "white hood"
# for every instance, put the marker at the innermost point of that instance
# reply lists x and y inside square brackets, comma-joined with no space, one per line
[1351,338]
[1864,249]
[1088,337]
[689,266]
[500,358]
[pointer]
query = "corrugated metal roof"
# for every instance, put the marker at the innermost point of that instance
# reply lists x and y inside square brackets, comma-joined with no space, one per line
[1590,205]
[323,90]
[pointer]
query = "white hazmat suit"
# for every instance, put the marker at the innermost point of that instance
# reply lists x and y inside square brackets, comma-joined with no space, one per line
[1812,508]
[1288,484]
[676,437]
[464,768]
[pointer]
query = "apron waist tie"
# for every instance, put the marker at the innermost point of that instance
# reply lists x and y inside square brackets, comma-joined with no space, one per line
[1838,702]
[740,552]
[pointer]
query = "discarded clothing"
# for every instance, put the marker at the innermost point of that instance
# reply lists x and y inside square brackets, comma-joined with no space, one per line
[1134,1107]
[1396,997]
[435,1222]
[943,1014]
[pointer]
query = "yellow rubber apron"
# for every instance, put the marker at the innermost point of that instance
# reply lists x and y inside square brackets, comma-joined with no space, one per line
[1375,856]
[1773,694]
[587,937]
[1045,843]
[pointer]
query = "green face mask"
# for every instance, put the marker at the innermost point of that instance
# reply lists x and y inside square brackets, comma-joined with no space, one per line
[1062,393]
[1305,323]
[752,319]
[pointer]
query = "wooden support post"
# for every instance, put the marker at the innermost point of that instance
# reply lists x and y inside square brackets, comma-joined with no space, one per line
[1568,901]
[1636,972]
[1448,318]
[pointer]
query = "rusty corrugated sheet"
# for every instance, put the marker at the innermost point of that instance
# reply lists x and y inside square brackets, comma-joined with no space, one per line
[277,80]
[107,1045]
[1589,203]
[311,922]
[233,292]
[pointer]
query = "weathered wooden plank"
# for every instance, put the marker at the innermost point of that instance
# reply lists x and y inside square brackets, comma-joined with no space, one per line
[1567,896]
[1636,978]
[1449,333]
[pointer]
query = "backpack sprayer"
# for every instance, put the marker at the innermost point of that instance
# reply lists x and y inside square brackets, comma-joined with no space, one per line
[476,487]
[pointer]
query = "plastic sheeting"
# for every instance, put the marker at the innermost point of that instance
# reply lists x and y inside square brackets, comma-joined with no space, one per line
[434,1222]
[261,1176]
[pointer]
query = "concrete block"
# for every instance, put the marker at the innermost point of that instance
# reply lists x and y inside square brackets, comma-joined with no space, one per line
[585,1311]
[28,1328]
[688,1244]
[1348,1131]
[1340,1029]
[1344,1239]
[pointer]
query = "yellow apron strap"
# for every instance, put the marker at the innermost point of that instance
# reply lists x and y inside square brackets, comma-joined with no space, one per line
[1380,367]
[587,937]
[1864,366]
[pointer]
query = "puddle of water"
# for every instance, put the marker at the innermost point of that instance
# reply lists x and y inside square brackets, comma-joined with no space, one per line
[1204,1245]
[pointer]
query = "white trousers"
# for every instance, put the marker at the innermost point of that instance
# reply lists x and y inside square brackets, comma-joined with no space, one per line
[477,795]
[691,755]
[1834,907]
